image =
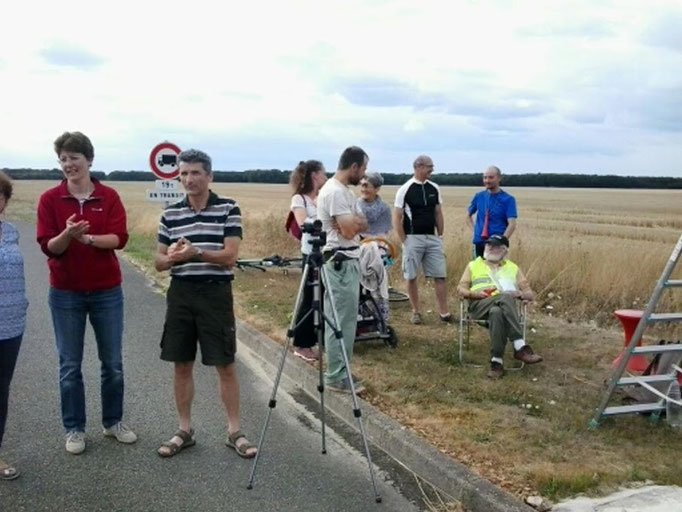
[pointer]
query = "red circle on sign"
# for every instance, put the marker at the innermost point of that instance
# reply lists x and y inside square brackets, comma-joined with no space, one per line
[154,164]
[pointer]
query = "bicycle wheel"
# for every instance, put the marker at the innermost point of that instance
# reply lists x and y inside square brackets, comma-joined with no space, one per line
[396,295]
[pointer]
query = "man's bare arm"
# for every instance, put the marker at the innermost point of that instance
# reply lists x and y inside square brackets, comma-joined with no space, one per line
[350,225]
[440,221]
[470,221]
[397,219]
[524,289]
[161,260]
[511,227]
[225,257]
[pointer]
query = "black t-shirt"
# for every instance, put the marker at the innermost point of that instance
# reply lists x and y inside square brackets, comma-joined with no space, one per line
[418,201]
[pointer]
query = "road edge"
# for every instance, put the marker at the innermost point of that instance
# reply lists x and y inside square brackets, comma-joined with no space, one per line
[452,477]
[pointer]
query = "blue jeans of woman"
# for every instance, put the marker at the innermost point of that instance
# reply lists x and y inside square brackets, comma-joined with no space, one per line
[69,312]
[9,351]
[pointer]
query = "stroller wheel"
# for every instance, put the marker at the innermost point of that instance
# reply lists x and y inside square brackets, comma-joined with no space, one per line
[391,340]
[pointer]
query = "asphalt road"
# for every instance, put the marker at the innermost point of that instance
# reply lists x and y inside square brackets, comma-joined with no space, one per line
[292,474]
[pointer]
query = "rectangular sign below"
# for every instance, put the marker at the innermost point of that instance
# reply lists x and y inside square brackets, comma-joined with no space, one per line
[164,195]
[167,184]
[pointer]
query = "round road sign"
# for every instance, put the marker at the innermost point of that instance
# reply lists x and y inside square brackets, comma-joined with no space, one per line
[164,160]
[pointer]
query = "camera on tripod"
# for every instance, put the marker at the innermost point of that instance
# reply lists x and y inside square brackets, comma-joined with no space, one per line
[318,237]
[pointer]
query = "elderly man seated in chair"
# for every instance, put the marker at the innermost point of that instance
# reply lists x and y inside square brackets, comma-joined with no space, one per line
[492,284]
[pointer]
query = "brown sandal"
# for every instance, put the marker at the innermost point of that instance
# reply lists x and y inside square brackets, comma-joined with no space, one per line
[241,449]
[174,448]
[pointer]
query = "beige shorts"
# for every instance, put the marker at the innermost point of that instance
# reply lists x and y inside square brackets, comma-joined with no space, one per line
[425,251]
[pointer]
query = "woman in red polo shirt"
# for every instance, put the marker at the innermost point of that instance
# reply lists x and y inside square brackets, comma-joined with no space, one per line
[80,224]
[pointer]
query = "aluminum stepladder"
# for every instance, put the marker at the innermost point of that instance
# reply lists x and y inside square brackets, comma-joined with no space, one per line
[648,317]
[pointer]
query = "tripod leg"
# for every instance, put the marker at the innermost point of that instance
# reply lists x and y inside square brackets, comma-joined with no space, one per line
[334,324]
[318,324]
[273,402]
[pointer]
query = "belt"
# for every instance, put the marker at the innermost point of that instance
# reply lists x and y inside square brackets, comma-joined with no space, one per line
[339,256]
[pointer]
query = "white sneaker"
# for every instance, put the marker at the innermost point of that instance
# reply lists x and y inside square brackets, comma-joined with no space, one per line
[75,442]
[121,432]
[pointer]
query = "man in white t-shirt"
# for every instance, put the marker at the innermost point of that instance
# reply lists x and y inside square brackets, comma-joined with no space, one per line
[343,221]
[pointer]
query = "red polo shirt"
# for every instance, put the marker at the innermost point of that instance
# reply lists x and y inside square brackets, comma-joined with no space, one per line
[82,267]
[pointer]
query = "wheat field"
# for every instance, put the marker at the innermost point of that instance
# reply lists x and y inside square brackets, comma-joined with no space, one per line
[586,251]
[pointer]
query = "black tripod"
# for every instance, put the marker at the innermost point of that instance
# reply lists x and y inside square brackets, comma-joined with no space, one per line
[315,268]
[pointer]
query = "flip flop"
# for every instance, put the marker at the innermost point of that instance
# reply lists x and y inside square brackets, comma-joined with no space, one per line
[241,449]
[173,448]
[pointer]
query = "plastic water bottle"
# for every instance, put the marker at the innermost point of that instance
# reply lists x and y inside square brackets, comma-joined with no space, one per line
[673,412]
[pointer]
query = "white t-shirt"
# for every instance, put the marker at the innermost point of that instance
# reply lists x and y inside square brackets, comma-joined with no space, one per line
[336,199]
[299,201]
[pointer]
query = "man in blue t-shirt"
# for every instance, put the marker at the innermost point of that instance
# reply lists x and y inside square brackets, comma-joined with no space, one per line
[495,211]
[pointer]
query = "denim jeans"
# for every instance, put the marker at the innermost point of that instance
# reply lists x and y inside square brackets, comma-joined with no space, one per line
[9,350]
[69,311]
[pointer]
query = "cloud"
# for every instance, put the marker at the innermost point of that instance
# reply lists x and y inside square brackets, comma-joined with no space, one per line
[379,93]
[532,86]
[385,92]
[508,108]
[563,28]
[665,31]
[661,109]
[65,54]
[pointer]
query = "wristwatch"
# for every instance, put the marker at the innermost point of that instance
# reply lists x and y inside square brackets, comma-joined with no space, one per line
[198,255]
[91,240]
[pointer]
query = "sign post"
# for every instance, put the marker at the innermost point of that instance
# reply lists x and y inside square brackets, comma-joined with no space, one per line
[163,161]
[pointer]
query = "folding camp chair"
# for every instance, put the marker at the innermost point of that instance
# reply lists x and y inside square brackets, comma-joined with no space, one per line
[465,323]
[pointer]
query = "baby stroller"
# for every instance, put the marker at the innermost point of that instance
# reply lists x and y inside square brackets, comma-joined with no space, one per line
[376,254]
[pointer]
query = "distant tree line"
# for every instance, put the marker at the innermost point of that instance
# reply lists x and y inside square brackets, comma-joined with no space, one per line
[44,174]
[447,179]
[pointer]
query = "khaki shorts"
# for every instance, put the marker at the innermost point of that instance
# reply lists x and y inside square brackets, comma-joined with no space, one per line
[199,312]
[425,251]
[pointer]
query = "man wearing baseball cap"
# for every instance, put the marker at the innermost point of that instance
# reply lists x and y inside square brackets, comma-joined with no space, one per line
[492,284]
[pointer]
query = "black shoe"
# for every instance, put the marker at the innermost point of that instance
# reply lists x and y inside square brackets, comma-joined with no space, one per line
[496,371]
[448,319]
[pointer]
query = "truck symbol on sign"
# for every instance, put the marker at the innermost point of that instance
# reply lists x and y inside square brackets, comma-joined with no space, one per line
[167,160]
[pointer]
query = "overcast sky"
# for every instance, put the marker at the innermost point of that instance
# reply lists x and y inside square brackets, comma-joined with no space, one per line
[545,86]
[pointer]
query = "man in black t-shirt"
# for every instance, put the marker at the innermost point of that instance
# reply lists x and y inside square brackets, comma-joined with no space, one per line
[418,221]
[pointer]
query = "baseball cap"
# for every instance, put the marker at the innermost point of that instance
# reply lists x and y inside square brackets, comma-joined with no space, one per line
[497,240]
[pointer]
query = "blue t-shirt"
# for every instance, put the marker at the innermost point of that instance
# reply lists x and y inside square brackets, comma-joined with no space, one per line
[502,207]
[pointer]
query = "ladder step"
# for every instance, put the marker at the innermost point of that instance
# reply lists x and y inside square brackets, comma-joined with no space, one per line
[665,317]
[655,349]
[673,283]
[630,409]
[649,379]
